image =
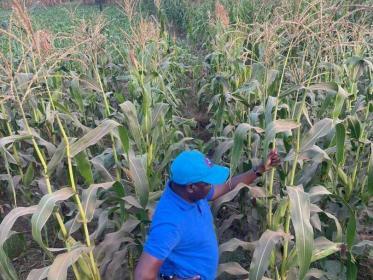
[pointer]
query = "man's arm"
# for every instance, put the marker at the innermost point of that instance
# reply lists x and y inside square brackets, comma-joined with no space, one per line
[147,267]
[248,177]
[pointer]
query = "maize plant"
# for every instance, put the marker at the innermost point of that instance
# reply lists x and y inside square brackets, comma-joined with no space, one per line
[94,108]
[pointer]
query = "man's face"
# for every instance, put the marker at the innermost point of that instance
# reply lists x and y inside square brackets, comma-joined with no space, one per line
[199,191]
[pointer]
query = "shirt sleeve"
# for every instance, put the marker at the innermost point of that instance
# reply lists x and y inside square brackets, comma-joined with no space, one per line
[162,239]
[211,193]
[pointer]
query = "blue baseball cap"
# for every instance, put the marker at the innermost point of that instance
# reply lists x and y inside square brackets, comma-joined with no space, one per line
[192,167]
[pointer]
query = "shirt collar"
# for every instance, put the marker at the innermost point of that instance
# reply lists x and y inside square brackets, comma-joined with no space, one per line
[181,202]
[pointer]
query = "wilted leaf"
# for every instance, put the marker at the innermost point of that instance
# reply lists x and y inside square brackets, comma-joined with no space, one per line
[221,149]
[228,222]
[363,248]
[130,112]
[158,112]
[45,209]
[137,166]
[9,220]
[254,192]
[234,243]
[132,201]
[93,136]
[101,170]
[89,198]
[58,269]
[6,268]
[316,192]
[320,129]
[314,273]
[328,87]
[56,158]
[11,139]
[117,269]
[232,268]
[279,126]
[113,241]
[300,217]
[323,247]
[271,103]
[38,274]
[263,250]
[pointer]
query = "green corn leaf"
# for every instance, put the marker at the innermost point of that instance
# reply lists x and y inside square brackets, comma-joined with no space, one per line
[45,209]
[339,101]
[7,270]
[370,172]
[89,198]
[300,217]
[240,136]
[75,92]
[354,126]
[93,136]
[139,177]
[340,140]
[124,138]
[29,175]
[280,213]
[351,268]
[84,167]
[262,253]
[351,229]
[59,267]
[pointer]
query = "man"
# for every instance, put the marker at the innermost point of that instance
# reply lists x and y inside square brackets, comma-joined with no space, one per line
[182,243]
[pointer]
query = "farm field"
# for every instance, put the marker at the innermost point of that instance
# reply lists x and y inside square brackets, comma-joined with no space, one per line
[95,105]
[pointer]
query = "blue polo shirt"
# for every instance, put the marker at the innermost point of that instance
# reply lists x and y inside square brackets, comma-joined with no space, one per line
[182,235]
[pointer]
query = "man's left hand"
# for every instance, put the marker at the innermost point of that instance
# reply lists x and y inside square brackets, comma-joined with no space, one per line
[272,160]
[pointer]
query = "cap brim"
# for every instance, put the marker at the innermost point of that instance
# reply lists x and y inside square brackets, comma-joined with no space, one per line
[217,175]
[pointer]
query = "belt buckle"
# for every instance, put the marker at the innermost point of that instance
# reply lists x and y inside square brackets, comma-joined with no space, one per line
[166,277]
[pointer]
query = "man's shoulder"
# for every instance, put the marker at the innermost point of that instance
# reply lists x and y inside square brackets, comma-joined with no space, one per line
[168,212]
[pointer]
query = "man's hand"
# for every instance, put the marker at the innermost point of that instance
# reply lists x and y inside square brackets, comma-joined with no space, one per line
[272,160]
